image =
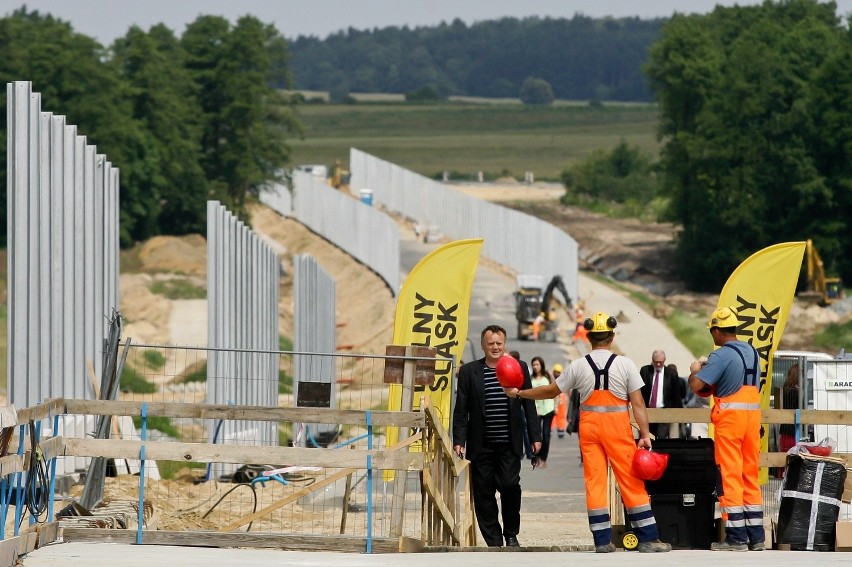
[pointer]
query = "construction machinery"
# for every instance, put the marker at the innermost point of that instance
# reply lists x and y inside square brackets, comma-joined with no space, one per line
[820,289]
[533,310]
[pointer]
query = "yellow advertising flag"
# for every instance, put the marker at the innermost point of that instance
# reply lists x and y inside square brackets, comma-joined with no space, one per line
[432,310]
[761,291]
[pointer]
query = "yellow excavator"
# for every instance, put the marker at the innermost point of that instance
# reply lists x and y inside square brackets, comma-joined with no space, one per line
[820,289]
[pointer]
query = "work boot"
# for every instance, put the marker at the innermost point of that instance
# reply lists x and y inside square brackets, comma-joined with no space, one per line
[757,546]
[655,546]
[608,548]
[729,546]
[512,541]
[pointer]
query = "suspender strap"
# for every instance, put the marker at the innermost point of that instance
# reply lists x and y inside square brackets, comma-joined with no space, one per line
[601,373]
[748,371]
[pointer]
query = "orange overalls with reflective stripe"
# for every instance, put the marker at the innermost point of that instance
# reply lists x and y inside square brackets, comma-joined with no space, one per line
[737,451]
[606,435]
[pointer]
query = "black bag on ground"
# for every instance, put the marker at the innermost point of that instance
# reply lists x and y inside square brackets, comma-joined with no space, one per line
[812,488]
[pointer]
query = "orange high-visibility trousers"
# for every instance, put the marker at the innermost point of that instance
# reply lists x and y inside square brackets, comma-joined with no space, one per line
[560,420]
[737,451]
[606,436]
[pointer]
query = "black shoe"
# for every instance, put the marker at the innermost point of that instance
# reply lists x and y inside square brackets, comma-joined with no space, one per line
[512,541]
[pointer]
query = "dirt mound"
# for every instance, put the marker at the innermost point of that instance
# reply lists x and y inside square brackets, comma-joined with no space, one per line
[178,254]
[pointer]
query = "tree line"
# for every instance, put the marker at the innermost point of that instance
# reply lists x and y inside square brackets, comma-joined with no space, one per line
[185,119]
[755,101]
[581,58]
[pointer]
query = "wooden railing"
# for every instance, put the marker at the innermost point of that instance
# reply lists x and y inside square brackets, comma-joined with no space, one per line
[448,516]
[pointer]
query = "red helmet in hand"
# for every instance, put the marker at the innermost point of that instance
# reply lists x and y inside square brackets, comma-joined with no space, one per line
[648,465]
[509,372]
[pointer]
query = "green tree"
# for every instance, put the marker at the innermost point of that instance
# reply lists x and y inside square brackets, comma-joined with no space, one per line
[77,79]
[163,98]
[245,120]
[536,91]
[737,95]
[622,175]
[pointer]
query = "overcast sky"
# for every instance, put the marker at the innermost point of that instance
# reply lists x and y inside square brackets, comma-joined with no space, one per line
[107,19]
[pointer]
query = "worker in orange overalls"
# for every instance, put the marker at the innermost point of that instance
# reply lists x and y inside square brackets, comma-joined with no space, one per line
[608,384]
[732,375]
[560,421]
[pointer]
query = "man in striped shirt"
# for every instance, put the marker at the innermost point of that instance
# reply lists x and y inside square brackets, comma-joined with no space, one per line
[488,429]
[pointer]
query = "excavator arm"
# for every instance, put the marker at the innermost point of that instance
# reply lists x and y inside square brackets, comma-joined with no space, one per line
[555,284]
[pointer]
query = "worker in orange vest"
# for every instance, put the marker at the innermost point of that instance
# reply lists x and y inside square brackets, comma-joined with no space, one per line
[560,421]
[732,375]
[608,384]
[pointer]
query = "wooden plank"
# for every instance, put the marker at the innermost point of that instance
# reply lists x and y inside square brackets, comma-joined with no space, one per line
[9,551]
[11,464]
[435,494]
[410,545]
[254,413]
[445,441]
[774,416]
[294,542]
[400,479]
[27,542]
[52,447]
[308,489]
[47,533]
[215,453]
[8,416]
[46,409]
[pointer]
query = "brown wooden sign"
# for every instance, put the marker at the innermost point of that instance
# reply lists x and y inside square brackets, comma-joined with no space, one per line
[424,370]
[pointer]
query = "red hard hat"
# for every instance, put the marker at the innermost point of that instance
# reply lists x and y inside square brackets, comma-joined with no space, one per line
[648,465]
[509,372]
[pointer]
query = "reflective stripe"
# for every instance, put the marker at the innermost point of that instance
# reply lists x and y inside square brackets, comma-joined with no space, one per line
[600,526]
[598,511]
[753,508]
[729,523]
[603,409]
[754,521]
[739,406]
[732,509]
[643,522]
[638,509]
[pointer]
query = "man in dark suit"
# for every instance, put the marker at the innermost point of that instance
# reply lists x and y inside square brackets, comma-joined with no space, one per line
[488,429]
[663,389]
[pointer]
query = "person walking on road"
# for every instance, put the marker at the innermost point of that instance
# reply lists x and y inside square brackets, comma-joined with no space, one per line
[487,430]
[546,409]
[732,375]
[560,419]
[608,384]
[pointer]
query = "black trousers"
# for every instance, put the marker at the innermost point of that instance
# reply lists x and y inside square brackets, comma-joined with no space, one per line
[496,468]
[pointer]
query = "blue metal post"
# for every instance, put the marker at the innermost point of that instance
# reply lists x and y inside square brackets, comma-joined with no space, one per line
[140,515]
[19,496]
[50,495]
[369,418]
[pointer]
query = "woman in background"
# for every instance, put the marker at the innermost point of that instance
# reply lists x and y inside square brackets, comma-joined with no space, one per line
[546,408]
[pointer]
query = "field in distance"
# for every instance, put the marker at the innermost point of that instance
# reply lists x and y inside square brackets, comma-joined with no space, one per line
[466,137]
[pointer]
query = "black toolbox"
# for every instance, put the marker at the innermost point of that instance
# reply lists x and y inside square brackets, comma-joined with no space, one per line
[691,468]
[685,520]
[684,499]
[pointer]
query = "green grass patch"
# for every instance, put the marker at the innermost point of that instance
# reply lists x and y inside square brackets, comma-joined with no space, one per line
[160,423]
[170,470]
[133,381]
[471,137]
[691,331]
[285,343]
[835,336]
[153,359]
[178,289]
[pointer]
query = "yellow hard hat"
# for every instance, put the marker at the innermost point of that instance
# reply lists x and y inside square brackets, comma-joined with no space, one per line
[557,367]
[600,323]
[723,317]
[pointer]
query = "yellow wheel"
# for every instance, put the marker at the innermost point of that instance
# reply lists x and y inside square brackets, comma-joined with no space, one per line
[630,541]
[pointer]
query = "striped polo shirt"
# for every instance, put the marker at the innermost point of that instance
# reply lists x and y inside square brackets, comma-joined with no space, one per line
[496,408]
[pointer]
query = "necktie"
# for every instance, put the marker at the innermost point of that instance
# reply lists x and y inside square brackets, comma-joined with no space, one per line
[653,401]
